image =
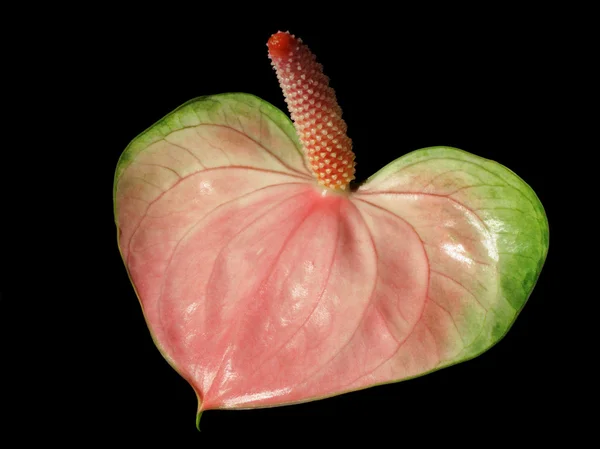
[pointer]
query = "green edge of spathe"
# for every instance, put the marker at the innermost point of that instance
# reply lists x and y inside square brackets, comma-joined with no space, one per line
[177,120]
[207,103]
[517,279]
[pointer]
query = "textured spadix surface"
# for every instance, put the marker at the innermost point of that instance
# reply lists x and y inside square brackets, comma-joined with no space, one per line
[261,287]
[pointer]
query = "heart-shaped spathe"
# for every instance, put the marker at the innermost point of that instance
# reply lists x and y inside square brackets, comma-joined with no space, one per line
[262,288]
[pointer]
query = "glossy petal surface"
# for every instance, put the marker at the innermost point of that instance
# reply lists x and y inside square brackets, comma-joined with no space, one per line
[262,288]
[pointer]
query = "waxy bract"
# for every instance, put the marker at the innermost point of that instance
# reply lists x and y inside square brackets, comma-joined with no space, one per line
[262,288]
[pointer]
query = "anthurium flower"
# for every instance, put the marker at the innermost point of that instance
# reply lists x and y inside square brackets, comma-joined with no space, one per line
[265,279]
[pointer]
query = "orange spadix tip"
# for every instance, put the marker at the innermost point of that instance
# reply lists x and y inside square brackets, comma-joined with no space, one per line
[280,44]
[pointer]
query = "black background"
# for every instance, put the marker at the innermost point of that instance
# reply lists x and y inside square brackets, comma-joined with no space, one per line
[476,81]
